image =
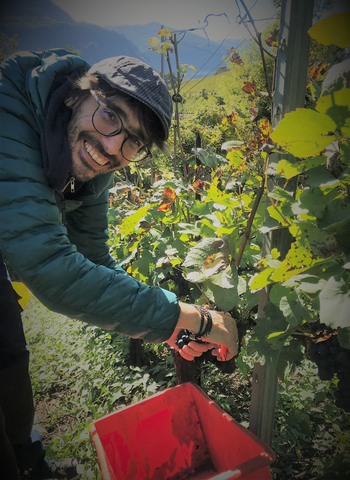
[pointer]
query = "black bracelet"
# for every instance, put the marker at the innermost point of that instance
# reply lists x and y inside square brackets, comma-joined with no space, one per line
[201,310]
[209,323]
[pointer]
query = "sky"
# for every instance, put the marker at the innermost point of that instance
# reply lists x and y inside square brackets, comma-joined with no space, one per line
[176,14]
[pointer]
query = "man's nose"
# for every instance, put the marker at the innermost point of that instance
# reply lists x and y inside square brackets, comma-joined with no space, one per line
[113,145]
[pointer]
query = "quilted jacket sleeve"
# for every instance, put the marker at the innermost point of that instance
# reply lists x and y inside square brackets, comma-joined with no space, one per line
[57,264]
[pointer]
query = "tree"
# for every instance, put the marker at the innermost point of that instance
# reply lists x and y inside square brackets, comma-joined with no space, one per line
[7,45]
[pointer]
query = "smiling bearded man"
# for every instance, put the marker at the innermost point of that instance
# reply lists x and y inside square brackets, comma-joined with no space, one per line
[65,128]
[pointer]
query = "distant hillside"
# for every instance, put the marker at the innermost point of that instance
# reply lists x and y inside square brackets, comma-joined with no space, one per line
[40,24]
[193,49]
[34,8]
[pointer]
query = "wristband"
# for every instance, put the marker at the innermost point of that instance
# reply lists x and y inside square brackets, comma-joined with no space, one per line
[209,323]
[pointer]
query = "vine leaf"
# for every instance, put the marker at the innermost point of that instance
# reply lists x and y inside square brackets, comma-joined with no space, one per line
[290,170]
[304,133]
[335,303]
[272,39]
[129,223]
[344,337]
[168,198]
[260,280]
[222,289]
[214,264]
[333,30]
[297,260]
[337,106]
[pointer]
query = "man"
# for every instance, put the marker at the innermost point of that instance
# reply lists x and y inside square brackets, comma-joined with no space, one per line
[65,129]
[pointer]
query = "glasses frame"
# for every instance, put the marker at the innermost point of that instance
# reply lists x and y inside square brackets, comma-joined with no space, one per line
[118,132]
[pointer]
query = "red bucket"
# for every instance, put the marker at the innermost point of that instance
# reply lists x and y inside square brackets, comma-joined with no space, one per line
[178,434]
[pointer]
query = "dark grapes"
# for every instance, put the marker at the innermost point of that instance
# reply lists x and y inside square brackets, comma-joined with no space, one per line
[184,338]
[333,359]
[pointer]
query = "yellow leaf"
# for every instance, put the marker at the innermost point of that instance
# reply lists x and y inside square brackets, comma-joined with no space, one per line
[297,260]
[23,292]
[154,41]
[333,30]
[304,132]
[260,280]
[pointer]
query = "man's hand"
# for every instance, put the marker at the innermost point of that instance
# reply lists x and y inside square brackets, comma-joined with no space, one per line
[192,350]
[223,333]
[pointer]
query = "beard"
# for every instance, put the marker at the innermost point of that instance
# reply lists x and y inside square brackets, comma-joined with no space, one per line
[81,169]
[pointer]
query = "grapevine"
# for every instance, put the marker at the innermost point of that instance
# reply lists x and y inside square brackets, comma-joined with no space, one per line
[332,359]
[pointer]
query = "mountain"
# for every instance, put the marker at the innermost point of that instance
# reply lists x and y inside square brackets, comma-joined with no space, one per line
[193,49]
[40,24]
[34,8]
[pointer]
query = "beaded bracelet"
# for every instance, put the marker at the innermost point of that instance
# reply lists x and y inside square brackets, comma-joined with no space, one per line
[209,323]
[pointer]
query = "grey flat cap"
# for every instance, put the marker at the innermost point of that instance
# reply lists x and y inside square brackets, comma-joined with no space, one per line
[140,81]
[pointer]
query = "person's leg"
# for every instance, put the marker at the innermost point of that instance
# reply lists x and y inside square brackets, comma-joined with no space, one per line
[16,396]
[7,457]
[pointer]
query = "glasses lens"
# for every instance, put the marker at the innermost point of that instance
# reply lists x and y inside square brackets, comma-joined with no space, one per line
[132,151]
[106,122]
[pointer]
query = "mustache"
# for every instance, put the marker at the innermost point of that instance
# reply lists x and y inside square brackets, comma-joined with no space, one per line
[85,136]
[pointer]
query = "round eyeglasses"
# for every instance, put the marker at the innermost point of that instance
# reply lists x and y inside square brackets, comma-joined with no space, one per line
[108,123]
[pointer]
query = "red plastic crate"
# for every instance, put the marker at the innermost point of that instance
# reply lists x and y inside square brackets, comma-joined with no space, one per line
[178,434]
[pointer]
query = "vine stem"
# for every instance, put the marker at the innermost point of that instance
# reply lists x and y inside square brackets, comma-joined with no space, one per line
[249,224]
[258,34]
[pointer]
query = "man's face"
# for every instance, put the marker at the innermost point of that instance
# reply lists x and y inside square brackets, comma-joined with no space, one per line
[93,153]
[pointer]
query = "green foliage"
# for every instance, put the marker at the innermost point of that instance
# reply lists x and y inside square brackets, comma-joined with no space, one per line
[73,50]
[7,46]
[80,373]
[193,229]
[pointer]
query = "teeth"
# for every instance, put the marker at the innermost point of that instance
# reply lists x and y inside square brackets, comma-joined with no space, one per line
[93,154]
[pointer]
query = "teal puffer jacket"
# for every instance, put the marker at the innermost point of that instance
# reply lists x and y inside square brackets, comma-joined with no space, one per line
[67,267]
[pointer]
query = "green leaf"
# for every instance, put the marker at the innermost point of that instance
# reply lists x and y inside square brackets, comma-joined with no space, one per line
[293,310]
[277,293]
[222,289]
[337,107]
[336,214]
[273,322]
[196,255]
[304,133]
[335,303]
[345,153]
[321,177]
[249,300]
[200,208]
[333,30]
[313,201]
[235,158]
[189,228]
[290,170]
[221,198]
[208,157]
[344,337]
[129,223]
[279,193]
[320,242]
[231,144]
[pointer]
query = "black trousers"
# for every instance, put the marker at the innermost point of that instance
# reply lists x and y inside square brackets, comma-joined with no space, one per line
[16,397]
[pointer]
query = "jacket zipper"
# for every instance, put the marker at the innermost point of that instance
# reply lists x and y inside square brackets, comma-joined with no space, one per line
[71,182]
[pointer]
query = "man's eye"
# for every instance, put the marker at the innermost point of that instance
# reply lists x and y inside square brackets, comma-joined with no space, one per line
[108,115]
[136,142]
